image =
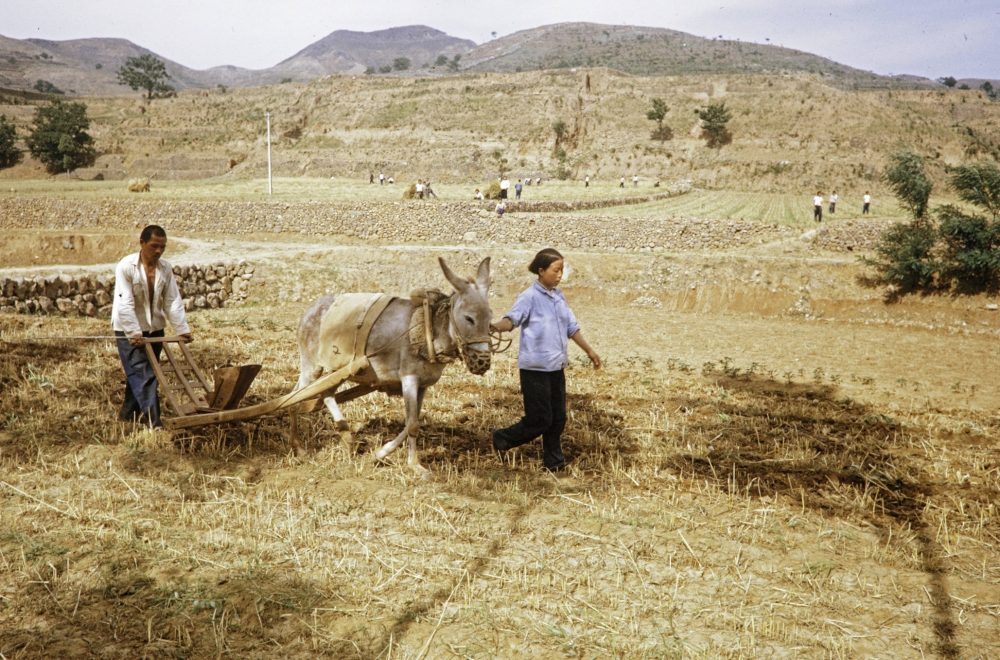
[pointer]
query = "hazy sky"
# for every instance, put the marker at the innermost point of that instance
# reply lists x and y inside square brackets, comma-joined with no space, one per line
[932,38]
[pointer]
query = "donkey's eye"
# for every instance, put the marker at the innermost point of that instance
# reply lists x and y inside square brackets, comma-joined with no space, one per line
[470,320]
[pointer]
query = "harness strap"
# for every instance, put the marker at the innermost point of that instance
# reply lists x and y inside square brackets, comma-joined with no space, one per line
[429,330]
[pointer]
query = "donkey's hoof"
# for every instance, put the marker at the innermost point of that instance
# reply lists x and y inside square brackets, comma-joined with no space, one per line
[342,425]
[420,471]
[347,442]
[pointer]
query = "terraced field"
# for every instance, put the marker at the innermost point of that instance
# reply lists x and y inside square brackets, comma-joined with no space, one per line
[772,208]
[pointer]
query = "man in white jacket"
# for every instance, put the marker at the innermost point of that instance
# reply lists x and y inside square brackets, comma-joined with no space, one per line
[146,297]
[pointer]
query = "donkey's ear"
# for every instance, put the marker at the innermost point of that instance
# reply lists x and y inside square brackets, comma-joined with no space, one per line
[483,276]
[456,281]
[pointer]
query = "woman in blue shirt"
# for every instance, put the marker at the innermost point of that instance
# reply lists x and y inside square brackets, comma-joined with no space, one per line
[547,324]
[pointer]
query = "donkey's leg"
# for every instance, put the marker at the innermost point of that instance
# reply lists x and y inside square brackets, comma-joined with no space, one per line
[338,417]
[411,449]
[343,428]
[411,398]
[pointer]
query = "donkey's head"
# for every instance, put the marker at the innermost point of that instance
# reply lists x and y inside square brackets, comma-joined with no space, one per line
[469,323]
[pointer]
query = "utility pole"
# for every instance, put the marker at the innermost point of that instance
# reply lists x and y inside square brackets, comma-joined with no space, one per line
[267,115]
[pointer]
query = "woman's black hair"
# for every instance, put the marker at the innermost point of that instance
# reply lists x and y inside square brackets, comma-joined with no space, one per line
[543,260]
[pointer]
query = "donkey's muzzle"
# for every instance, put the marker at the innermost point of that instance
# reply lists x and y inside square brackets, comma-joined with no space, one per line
[478,362]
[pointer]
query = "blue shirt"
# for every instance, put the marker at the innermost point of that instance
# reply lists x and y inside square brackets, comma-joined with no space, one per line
[546,323]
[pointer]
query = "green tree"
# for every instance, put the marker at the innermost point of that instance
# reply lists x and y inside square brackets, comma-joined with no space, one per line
[442,60]
[45,87]
[658,113]
[978,184]
[401,63]
[453,64]
[714,120]
[60,139]
[147,73]
[10,155]
[948,81]
[908,180]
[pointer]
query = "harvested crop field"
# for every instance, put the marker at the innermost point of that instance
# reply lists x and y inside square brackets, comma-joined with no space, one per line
[774,462]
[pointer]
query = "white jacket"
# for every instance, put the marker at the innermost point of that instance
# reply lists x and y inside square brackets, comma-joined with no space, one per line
[132,312]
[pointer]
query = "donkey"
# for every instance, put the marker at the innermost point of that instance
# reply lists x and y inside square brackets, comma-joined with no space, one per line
[397,364]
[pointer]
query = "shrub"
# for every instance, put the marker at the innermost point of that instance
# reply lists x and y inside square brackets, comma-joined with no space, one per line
[909,181]
[658,113]
[714,119]
[60,139]
[978,184]
[904,256]
[961,253]
[45,87]
[10,155]
[971,251]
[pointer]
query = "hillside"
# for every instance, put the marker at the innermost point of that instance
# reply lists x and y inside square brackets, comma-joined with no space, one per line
[791,132]
[353,52]
[89,66]
[649,51]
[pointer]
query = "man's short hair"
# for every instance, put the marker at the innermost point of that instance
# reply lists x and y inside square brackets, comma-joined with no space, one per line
[149,231]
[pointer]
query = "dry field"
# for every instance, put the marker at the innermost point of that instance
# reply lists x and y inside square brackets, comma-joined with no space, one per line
[773,463]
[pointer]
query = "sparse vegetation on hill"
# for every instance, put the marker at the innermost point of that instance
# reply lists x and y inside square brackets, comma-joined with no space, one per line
[650,51]
[790,132]
[45,87]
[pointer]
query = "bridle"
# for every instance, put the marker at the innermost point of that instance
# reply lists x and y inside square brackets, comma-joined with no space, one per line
[497,342]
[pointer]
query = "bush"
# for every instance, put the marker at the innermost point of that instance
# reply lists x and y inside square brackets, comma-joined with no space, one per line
[658,113]
[664,133]
[960,254]
[45,87]
[909,181]
[714,120]
[978,184]
[971,251]
[60,139]
[905,256]
[10,155]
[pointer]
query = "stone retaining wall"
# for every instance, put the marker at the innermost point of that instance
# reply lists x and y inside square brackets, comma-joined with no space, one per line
[431,222]
[90,295]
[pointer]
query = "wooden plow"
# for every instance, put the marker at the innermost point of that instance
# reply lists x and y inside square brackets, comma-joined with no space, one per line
[195,402]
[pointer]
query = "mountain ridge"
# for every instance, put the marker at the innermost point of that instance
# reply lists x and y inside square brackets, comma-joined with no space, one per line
[89,66]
